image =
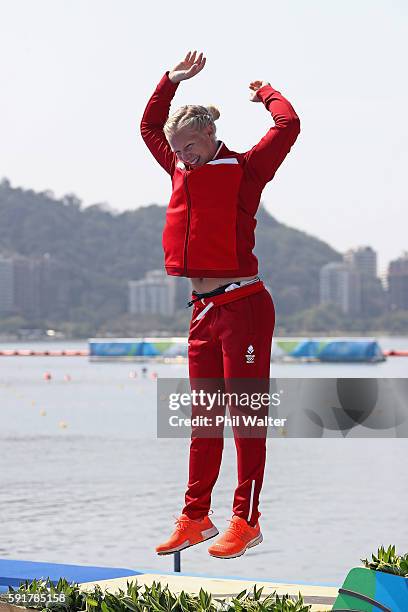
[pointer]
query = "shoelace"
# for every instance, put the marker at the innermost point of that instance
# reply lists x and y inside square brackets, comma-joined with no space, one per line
[182,522]
[238,530]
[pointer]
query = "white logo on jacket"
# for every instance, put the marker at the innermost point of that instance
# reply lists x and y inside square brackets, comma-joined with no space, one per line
[250,355]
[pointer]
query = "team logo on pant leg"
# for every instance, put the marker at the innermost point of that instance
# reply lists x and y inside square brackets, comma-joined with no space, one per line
[250,355]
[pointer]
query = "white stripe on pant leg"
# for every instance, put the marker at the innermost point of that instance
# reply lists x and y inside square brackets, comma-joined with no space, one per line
[204,311]
[251,500]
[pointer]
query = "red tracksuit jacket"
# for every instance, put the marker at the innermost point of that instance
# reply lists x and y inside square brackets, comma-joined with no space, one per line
[210,225]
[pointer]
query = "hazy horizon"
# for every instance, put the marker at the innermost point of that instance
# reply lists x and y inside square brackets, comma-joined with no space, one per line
[77,77]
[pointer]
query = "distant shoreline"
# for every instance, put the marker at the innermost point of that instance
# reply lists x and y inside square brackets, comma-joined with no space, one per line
[155,334]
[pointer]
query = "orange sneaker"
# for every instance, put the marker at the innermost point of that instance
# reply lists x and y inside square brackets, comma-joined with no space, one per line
[238,537]
[187,533]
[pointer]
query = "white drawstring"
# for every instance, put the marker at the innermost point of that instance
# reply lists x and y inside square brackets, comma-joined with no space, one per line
[231,287]
[242,284]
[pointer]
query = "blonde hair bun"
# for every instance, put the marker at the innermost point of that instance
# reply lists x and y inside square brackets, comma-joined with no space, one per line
[214,112]
[192,116]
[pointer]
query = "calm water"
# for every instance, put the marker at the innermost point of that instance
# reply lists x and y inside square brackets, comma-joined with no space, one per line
[103,490]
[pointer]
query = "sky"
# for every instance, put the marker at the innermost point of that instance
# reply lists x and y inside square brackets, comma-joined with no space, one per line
[76,76]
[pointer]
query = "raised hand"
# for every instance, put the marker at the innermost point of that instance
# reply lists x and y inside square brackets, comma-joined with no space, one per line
[188,67]
[254,86]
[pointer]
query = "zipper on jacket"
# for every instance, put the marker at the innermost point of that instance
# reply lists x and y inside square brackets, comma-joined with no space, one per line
[188,222]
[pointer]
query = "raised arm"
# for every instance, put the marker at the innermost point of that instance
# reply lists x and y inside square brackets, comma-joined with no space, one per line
[265,157]
[153,120]
[157,109]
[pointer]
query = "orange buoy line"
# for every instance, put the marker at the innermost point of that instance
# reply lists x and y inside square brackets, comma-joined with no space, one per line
[397,353]
[33,353]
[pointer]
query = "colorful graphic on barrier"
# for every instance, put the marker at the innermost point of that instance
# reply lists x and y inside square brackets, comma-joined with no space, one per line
[372,591]
[290,349]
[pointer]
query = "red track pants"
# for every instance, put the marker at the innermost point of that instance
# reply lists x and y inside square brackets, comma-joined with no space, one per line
[231,341]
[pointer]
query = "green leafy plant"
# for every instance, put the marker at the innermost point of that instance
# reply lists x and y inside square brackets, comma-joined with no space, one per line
[388,561]
[154,598]
[253,602]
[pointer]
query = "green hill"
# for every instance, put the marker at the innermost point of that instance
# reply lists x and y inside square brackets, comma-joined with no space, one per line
[95,251]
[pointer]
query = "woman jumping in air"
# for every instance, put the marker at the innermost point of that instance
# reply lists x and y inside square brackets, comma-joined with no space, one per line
[209,236]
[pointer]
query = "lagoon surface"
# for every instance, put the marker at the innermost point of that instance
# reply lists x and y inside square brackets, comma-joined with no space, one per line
[84,479]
